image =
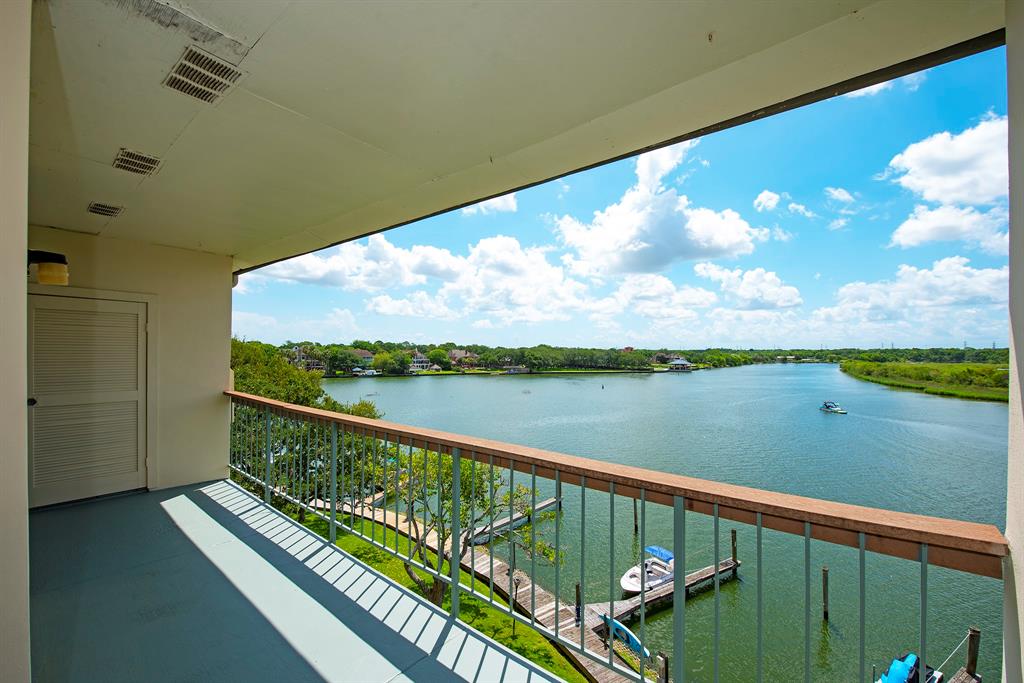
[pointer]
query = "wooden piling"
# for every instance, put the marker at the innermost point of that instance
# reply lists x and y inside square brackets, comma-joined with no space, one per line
[824,593]
[973,642]
[579,605]
[662,667]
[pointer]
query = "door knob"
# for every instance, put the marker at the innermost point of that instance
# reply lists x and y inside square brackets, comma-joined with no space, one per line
[31,402]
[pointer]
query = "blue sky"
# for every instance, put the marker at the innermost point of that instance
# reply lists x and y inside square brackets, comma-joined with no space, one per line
[874,218]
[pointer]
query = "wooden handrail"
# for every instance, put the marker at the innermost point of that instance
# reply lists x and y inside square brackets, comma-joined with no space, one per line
[965,546]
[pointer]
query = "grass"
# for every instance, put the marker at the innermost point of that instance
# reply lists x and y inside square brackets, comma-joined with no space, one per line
[479,614]
[977,381]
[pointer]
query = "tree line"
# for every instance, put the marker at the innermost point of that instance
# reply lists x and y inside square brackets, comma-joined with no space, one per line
[396,357]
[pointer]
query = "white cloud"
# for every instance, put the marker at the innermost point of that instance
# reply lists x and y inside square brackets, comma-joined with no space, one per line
[338,323]
[839,194]
[417,305]
[751,289]
[780,235]
[914,81]
[371,266]
[967,168]
[950,282]
[802,210]
[838,223]
[766,201]
[483,324]
[652,296]
[870,90]
[503,204]
[945,223]
[653,226]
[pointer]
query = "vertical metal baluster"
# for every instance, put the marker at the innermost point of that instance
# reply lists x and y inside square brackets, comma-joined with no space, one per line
[440,553]
[334,482]
[454,564]
[362,488]
[398,485]
[533,544]
[718,581]
[924,611]
[308,456]
[679,591]
[408,501]
[760,605]
[426,455]
[611,573]
[511,549]
[472,521]
[490,534]
[318,450]
[341,470]
[558,548]
[266,479]
[643,583]
[861,543]
[583,565]
[384,499]
[807,602]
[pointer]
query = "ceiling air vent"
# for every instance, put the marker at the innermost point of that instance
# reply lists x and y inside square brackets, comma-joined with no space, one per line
[136,162]
[202,76]
[101,209]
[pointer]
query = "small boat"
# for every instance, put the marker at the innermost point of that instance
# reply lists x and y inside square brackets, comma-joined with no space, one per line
[622,633]
[832,407]
[906,669]
[659,567]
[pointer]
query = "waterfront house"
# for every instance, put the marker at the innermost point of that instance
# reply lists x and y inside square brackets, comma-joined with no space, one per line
[160,151]
[680,365]
[419,362]
[364,355]
[463,357]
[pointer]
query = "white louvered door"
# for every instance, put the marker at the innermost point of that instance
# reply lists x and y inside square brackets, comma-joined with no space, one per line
[87,376]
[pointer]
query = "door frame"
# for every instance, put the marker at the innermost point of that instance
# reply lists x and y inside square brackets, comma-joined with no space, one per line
[152,359]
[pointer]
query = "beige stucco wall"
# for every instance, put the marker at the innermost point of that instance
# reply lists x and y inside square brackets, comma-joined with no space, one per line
[15,18]
[193,332]
[1014,576]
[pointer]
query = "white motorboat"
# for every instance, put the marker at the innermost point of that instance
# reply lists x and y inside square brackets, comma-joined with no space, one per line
[659,568]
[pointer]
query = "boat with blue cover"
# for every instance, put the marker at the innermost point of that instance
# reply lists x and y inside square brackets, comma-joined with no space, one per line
[659,568]
[906,669]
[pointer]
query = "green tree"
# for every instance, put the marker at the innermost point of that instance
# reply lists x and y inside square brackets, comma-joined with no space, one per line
[440,357]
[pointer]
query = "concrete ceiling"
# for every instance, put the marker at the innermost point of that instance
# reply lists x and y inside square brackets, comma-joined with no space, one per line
[354,117]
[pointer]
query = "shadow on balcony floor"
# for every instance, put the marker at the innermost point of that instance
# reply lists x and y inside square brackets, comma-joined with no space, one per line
[207,583]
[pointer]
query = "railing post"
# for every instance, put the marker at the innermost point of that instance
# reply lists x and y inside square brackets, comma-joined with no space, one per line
[266,478]
[456,527]
[334,482]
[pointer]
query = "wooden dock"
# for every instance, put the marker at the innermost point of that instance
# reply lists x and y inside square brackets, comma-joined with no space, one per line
[663,596]
[483,534]
[560,617]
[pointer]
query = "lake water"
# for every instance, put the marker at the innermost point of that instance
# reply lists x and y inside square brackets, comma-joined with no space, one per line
[756,426]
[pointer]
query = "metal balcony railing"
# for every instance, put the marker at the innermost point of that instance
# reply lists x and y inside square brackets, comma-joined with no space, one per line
[427,496]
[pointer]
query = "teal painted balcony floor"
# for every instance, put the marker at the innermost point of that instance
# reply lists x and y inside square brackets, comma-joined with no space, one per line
[206,582]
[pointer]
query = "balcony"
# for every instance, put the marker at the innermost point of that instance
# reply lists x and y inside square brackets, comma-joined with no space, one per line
[207,582]
[396,486]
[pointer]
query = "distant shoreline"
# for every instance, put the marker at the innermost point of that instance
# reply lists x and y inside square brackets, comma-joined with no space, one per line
[936,388]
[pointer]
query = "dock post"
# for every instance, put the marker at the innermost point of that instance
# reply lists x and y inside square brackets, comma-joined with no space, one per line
[558,492]
[579,606]
[636,527]
[824,592]
[732,535]
[662,667]
[973,641]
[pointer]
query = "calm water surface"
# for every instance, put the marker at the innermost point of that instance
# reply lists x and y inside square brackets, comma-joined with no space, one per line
[757,426]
